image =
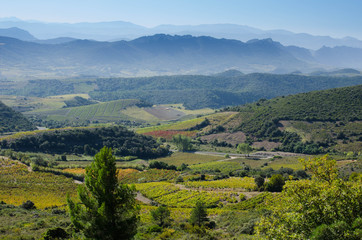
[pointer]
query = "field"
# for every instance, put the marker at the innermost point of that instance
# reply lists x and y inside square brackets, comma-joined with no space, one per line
[151,175]
[178,158]
[18,185]
[286,162]
[102,112]
[224,167]
[25,104]
[172,196]
[246,183]
[178,126]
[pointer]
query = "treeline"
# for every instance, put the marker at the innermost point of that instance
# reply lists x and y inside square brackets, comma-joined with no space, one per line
[12,121]
[88,141]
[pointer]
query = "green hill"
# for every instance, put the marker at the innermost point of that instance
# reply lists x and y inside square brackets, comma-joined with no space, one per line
[340,104]
[86,141]
[102,112]
[12,121]
[320,118]
[193,91]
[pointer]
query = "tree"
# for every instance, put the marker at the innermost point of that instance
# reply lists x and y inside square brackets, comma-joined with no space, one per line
[275,183]
[106,209]
[324,207]
[183,143]
[244,148]
[161,215]
[259,181]
[198,214]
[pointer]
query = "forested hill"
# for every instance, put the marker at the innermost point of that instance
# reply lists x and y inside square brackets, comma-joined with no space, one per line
[340,104]
[230,88]
[198,91]
[12,121]
[88,141]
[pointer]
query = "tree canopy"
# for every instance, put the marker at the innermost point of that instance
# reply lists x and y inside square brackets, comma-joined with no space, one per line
[314,209]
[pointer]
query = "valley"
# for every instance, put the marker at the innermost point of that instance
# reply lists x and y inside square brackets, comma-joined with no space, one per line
[112,130]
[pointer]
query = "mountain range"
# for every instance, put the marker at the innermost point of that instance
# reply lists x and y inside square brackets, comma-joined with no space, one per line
[162,54]
[120,30]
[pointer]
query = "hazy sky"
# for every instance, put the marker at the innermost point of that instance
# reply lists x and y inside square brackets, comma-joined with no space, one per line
[337,18]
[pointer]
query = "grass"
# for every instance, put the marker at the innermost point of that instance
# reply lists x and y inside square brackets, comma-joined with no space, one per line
[178,158]
[286,162]
[17,223]
[224,167]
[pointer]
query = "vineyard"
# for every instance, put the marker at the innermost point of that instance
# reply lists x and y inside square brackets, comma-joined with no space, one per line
[151,175]
[109,111]
[224,167]
[18,185]
[172,196]
[246,183]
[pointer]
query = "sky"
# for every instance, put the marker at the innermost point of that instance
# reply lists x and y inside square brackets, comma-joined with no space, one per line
[336,18]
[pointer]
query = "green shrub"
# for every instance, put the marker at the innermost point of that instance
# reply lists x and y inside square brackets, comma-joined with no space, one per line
[28,205]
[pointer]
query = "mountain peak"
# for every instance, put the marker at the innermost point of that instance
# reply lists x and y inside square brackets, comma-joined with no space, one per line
[15,32]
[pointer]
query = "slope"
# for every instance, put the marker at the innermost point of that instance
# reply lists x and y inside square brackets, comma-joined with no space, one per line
[12,121]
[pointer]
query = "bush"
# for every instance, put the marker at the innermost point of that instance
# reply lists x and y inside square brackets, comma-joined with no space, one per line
[275,183]
[28,205]
[154,228]
[179,179]
[259,181]
[55,233]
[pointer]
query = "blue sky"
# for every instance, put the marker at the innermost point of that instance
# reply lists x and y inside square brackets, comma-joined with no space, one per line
[337,18]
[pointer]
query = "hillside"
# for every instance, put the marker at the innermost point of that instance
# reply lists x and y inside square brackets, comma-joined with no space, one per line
[320,118]
[309,123]
[86,141]
[193,91]
[12,121]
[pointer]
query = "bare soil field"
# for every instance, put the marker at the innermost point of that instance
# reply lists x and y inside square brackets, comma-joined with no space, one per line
[165,113]
[232,138]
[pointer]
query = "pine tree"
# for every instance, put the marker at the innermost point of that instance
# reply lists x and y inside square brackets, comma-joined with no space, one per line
[107,210]
[161,215]
[198,214]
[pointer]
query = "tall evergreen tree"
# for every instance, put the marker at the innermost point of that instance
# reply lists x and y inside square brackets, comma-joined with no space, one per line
[198,214]
[106,209]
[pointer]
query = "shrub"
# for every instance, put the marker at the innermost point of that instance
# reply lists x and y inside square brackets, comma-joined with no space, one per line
[275,183]
[55,233]
[154,228]
[28,205]
[259,181]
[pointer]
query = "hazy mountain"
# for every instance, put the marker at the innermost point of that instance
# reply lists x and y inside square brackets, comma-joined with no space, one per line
[340,56]
[119,30]
[157,54]
[18,33]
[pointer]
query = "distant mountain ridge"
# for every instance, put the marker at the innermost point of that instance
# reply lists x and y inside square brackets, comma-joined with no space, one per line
[162,54]
[155,55]
[120,30]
